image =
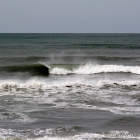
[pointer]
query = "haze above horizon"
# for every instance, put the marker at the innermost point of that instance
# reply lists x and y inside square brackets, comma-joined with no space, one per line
[64,16]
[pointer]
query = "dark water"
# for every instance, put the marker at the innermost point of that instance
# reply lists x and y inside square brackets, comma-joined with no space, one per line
[69,86]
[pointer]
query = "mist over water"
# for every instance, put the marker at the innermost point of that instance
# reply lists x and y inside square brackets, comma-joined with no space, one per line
[69,86]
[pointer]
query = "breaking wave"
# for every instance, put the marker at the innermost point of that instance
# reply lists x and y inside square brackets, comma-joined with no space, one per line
[36,84]
[95,69]
[42,69]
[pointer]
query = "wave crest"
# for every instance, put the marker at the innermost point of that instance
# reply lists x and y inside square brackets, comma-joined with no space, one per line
[60,71]
[95,69]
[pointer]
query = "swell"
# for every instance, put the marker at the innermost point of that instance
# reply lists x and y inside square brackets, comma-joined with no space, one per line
[115,46]
[69,58]
[94,46]
[24,58]
[34,69]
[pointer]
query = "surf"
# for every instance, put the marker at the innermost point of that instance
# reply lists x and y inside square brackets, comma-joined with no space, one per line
[88,69]
[33,69]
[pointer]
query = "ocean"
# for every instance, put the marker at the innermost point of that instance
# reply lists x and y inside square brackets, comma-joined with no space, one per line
[69,86]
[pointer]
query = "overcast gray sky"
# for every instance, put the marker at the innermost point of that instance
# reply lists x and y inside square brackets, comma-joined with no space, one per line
[69,16]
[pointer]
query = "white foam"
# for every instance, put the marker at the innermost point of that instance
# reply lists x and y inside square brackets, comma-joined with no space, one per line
[10,133]
[19,84]
[78,93]
[60,71]
[94,69]
[50,134]
[42,84]
[94,136]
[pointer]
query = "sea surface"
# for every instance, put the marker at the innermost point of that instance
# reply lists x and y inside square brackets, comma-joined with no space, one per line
[69,86]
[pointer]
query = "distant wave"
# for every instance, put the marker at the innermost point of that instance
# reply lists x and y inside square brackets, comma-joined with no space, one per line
[94,45]
[113,46]
[94,69]
[34,69]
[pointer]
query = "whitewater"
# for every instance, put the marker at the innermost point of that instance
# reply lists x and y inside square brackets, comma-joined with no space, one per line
[94,69]
[69,86]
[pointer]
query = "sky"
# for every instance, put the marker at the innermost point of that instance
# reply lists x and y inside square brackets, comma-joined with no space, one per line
[69,16]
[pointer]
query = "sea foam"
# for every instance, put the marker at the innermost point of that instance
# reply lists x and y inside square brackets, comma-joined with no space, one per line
[50,134]
[94,69]
[42,84]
